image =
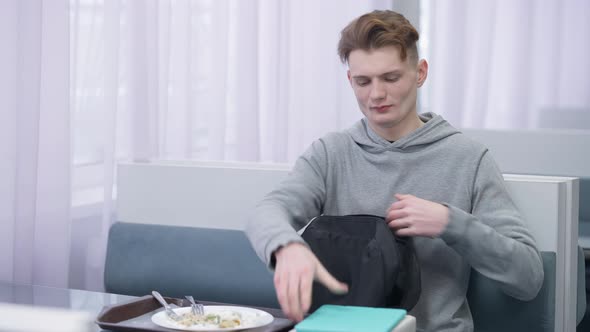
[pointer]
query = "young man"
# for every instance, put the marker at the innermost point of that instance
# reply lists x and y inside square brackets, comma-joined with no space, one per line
[428,180]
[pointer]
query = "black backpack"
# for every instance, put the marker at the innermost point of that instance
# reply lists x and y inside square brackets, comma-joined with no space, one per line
[380,268]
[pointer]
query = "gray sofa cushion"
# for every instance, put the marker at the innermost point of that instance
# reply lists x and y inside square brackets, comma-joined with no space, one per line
[582,303]
[490,307]
[210,264]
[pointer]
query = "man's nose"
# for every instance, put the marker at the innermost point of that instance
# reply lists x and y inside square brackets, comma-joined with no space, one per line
[377,90]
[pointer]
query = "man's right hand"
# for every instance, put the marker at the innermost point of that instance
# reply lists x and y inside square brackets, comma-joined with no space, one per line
[295,270]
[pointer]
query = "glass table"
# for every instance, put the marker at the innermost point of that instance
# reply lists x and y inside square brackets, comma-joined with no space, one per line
[71,299]
[88,302]
[94,302]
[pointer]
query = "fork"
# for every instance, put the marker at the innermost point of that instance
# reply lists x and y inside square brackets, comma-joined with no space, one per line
[197,308]
[169,312]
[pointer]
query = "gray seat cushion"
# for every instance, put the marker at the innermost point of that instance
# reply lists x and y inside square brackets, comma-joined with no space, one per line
[210,264]
[490,306]
[582,286]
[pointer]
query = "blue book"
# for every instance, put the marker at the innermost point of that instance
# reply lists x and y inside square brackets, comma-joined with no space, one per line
[335,318]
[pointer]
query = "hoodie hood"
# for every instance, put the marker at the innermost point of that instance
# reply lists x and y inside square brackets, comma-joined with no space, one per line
[435,128]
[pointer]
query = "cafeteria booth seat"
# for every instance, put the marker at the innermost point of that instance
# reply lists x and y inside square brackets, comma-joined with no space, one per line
[180,231]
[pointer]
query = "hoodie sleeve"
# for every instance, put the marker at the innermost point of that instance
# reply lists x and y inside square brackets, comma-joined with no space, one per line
[494,238]
[288,208]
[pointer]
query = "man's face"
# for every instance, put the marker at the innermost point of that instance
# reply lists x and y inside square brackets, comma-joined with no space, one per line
[386,88]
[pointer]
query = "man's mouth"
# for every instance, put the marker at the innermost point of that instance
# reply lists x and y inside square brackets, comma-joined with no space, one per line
[381,109]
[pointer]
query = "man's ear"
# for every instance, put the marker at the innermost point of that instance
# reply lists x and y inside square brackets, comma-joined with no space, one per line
[348,76]
[422,72]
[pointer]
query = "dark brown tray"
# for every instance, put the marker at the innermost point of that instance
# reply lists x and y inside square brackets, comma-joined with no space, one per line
[136,315]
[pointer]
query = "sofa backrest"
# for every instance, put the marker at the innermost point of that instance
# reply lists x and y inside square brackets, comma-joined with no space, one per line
[217,265]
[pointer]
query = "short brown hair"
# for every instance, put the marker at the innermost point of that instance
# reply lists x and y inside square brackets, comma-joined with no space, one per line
[378,29]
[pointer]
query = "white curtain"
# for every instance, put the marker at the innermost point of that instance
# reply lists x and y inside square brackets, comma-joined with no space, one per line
[508,64]
[35,172]
[87,83]
[234,80]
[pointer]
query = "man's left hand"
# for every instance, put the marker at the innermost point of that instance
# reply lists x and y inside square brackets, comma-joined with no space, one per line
[413,216]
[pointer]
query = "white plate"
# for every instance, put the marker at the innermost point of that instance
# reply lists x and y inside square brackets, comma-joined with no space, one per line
[251,318]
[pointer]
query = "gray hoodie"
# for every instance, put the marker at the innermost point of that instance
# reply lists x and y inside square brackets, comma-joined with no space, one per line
[358,172]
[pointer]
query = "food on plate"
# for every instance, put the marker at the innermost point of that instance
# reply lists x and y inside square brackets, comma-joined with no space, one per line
[220,319]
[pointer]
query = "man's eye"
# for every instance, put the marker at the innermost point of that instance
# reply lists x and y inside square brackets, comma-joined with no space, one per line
[392,79]
[362,83]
